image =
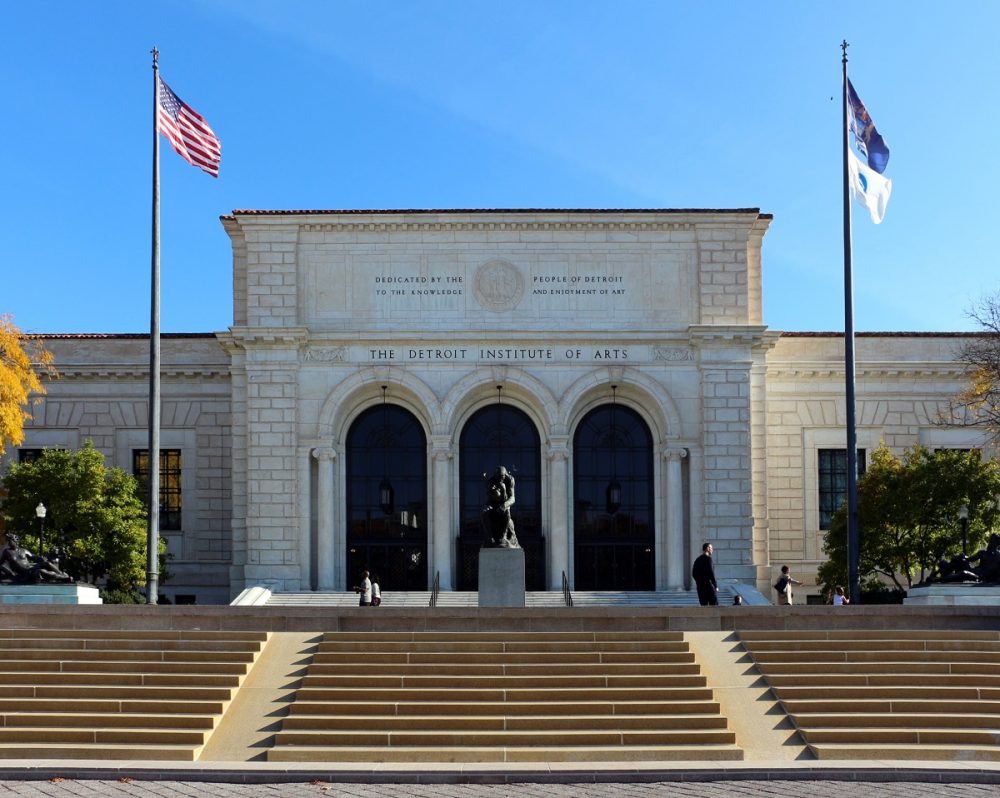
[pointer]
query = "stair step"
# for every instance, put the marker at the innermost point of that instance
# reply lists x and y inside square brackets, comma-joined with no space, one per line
[453,682]
[480,722]
[913,720]
[502,694]
[811,705]
[42,736]
[502,739]
[74,705]
[906,751]
[534,709]
[503,670]
[105,720]
[509,637]
[508,658]
[98,679]
[120,693]
[509,754]
[884,680]
[900,736]
[124,751]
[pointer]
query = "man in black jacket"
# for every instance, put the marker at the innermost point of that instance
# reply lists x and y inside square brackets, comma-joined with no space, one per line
[703,573]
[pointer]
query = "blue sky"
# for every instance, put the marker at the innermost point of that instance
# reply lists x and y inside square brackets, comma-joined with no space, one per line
[476,104]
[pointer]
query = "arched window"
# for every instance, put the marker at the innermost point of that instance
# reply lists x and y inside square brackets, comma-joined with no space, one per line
[614,541]
[500,435]
[387,498]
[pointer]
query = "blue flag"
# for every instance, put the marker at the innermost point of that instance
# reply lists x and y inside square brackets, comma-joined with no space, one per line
[869,142]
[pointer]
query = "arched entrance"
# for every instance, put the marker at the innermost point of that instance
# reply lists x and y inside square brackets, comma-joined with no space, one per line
[387,460]
[614,540]
[500,435]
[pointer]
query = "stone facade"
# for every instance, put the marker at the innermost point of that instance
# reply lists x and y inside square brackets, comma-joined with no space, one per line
[441,308]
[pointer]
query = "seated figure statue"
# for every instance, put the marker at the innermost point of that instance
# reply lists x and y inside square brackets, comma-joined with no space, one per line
[988,569]
[19,566]
[498,526]
[958,569]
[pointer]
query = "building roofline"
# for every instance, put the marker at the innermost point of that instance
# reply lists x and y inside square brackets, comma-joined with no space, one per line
[120,336]
[888,334]
[402,211]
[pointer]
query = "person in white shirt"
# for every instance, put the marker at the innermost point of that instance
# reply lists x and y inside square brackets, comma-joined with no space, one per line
[376,591]
[364,590]
[839,599]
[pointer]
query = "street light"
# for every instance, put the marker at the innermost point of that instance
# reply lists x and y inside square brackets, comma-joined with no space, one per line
[41,512]
[963,517]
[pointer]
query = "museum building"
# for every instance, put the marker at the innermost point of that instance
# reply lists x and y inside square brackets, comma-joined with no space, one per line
[381,364]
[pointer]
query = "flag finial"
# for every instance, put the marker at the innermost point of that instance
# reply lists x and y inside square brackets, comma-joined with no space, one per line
[843,46]
[156,56]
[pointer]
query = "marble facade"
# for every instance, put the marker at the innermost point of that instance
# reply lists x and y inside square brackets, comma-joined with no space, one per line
[441,307]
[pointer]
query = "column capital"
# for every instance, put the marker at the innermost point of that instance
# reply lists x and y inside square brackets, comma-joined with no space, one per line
[674,453]
[439,453]
[558,450]
[322,453]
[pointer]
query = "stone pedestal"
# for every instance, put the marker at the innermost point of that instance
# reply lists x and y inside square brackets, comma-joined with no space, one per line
[958,593]
[49,594]
[501,577]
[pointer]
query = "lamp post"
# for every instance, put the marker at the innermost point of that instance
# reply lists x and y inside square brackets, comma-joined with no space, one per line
[963,517]
[41,512]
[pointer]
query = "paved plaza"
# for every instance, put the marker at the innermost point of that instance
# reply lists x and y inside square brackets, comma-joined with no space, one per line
[69,788]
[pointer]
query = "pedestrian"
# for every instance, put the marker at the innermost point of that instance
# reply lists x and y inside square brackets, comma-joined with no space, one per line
[364,590]
[839,599]
[376,591]
[784,586]
[703,573]
[737,600]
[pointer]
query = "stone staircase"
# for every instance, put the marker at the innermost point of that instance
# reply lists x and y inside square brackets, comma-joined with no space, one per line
[503,697]
[101,694]
[910,695]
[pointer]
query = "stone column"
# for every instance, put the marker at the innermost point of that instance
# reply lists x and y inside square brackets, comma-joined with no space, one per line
[305,518]
[674,549]
[441,454]
[558,553]
[324,510]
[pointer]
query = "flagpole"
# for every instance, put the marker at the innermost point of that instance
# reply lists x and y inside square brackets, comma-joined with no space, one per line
[853,537]
[153,452]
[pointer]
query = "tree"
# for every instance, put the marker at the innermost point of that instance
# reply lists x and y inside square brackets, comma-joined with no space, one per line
[96,516]
[979,404]
[18,379]
[908,515]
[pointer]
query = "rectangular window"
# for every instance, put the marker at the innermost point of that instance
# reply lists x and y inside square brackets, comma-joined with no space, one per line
[170,483]
[833,481]
[29,455]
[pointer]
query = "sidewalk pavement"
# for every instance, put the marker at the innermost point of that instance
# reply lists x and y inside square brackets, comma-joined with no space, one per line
[114,779]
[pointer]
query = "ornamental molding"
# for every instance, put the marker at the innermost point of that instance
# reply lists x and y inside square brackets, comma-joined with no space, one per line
[495,227]
[325,354]
[673,354]
[106,373]
[498,285]
[924,372]
[265,337]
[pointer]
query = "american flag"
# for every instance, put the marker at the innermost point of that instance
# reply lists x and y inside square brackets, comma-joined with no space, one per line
[188,132]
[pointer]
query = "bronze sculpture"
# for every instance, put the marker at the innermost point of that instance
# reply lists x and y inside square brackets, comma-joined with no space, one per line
[19,566]
[498,525]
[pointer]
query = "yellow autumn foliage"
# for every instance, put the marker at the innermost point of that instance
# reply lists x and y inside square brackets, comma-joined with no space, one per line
[22,360]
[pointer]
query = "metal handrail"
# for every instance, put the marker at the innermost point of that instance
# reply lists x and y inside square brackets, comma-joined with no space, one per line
[567,596]
[435,589]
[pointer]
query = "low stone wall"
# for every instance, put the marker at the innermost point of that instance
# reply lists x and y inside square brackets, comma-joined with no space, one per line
[621,619]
